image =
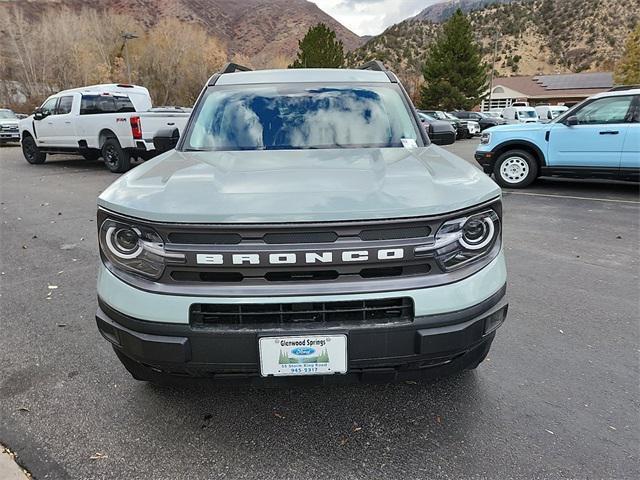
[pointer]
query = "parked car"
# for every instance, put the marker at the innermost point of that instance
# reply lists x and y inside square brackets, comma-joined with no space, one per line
[549,112]
[520,115]
[301,230]
[115,122]
[469,128]
[597,138]
[463,128]
[440,132]
[485,121]
[439,115]
[8,126]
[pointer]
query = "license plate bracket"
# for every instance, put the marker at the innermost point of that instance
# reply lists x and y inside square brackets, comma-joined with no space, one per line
[302,355]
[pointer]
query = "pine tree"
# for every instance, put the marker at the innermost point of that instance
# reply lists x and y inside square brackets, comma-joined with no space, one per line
[628,68]
[319,49]
[455,76]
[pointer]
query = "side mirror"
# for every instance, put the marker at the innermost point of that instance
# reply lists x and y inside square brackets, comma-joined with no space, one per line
[38,114]
[571,121]
[449,140]
[166,140]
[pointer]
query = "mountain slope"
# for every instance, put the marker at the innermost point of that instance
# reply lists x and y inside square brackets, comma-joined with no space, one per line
[440,12]
[537,36]
[255,28]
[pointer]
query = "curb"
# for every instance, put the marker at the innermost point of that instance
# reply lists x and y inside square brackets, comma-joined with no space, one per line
[9,469]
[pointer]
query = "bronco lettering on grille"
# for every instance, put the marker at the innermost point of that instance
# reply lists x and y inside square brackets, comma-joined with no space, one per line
[292,258]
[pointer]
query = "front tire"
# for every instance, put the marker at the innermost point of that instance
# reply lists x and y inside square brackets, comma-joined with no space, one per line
[115,157]
[31,152]
[515,169]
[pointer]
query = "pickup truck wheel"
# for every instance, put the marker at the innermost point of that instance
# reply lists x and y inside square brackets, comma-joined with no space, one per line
[115,158]
[31,152]
[515,169]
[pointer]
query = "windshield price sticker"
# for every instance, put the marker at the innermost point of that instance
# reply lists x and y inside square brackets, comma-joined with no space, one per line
[409,143]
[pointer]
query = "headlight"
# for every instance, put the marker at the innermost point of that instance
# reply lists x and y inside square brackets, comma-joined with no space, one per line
[135,248]
[485,138]
[466,239]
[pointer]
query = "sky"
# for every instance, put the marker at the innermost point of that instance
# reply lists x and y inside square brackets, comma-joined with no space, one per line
[371,17]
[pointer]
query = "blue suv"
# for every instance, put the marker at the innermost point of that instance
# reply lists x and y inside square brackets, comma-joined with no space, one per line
[599,137]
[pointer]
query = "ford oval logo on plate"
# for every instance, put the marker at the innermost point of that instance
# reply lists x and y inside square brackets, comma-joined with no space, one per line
[303,351]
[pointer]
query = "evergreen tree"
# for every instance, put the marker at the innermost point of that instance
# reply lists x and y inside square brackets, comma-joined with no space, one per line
[628,69]
[319,49]
[454,73]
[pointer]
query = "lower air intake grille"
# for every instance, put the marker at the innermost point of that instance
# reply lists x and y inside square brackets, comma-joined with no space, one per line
[360,311]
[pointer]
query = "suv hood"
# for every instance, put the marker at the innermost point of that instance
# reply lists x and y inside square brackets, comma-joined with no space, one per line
[298,186]
[13,122]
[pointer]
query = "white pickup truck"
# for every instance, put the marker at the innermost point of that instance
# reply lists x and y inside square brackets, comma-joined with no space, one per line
[114,121]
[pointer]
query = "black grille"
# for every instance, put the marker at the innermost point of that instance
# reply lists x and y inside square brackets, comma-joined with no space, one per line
[360,311]
[300,237]
[299,275]
[395,233]
[205,238]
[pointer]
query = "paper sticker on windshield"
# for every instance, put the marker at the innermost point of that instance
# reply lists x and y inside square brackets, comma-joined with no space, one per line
[409,143]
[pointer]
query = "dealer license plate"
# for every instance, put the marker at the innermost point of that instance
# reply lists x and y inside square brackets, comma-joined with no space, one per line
[304,355]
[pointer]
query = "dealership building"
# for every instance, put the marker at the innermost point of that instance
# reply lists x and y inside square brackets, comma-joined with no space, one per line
[564,89]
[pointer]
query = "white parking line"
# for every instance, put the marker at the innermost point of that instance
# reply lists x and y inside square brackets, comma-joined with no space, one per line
[572,197]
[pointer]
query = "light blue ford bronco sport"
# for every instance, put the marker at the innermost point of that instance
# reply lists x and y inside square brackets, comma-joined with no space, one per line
[598,138]
[303,226]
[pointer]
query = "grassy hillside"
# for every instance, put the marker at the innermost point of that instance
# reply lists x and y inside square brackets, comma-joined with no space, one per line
[536,36]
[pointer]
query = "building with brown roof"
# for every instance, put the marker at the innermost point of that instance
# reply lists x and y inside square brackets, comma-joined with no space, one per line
[564,89]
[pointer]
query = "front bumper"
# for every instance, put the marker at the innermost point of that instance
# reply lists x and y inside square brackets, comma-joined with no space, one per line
[486,160]
[443,343]
[10,136]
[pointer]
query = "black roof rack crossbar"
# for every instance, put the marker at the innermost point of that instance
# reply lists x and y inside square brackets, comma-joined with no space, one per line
[234,67]
[376,65]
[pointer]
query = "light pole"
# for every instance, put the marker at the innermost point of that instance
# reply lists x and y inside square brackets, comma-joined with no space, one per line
[128,36]
[493,67]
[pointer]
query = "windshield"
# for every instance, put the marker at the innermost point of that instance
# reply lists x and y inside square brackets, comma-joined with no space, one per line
[557,111]
[301,116]
[7,114]
[492,114]
[527,114]
[424,116]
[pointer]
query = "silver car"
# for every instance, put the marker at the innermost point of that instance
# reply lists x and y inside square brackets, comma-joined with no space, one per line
[8,126]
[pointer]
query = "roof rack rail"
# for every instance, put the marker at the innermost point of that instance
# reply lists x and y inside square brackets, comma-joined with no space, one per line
[621,88]
[234,67]
[376,65]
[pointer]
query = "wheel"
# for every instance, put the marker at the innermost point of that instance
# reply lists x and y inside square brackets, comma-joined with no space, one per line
[91,155]
[515,169]
[31,152]
[115,158]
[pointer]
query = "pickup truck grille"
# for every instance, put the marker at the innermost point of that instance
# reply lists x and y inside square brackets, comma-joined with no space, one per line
[362,311]
[9,128]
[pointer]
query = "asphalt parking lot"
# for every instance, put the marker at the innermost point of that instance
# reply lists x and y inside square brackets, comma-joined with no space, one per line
[558,397]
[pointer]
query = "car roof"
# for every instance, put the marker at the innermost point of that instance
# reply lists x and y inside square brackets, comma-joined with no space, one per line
[111,88]
[302,75]
[616,93]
